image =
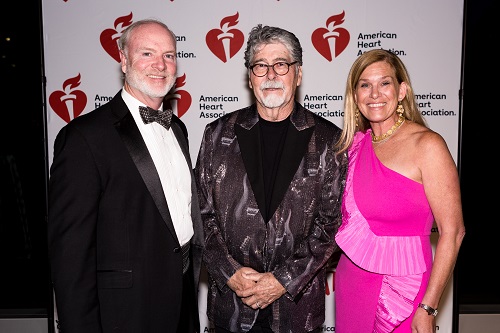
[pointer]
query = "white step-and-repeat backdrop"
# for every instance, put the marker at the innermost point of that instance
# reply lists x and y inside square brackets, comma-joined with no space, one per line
[82,63]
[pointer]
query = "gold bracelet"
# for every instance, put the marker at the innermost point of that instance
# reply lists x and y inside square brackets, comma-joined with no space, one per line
[430,311]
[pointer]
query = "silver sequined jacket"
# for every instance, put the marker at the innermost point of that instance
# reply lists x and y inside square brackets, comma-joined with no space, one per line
[297,241]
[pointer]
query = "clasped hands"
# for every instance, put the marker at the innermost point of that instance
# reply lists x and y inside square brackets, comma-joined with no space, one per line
[257,290]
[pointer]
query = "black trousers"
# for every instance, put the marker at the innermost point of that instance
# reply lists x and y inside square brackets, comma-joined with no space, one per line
[262,324]
[189,321]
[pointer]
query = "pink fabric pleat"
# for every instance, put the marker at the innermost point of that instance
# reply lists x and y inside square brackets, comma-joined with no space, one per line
[396,301]
[395,255]
[400,258]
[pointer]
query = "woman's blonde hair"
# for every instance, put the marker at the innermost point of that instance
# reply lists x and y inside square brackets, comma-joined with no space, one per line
[351,124]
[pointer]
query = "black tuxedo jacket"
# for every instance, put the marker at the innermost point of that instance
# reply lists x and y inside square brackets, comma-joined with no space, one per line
[115,258]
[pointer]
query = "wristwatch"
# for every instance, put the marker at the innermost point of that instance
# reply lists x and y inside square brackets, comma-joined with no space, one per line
[430,311]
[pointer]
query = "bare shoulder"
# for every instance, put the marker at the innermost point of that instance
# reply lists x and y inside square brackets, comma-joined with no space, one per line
[430,148]
[426,141]
[415,152]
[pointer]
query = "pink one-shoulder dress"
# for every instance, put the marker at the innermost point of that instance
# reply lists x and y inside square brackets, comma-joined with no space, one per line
[385,238]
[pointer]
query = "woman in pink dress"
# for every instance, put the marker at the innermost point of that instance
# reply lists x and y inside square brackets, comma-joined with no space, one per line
[401,179]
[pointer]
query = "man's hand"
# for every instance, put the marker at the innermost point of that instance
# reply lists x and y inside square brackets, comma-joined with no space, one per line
[239,282]
[265,289]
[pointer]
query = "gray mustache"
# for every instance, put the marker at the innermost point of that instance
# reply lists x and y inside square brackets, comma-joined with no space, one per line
[272,85]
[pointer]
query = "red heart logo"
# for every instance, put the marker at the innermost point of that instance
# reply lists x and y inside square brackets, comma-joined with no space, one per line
[323,38]
[109,37]
[224,42]
[109,42]
[183,102]
[182,97]
[329,290]
[68,104]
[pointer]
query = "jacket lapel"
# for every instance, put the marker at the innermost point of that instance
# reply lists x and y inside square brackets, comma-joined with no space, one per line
[296,148]
[251,154]
[128,131]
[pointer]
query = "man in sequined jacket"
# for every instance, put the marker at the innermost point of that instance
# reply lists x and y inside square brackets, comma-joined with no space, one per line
[270,184]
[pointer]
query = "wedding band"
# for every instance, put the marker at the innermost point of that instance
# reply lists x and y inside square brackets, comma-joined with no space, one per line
[258,305]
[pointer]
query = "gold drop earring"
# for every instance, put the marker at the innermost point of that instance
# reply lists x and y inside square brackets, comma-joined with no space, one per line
[400,110]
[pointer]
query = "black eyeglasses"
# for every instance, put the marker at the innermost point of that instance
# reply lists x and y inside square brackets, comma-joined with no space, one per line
[280,68]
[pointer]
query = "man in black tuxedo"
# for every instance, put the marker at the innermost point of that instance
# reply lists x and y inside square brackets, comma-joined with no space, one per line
[125,234]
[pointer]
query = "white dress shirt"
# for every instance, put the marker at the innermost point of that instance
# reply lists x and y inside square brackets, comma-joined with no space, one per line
[172,168]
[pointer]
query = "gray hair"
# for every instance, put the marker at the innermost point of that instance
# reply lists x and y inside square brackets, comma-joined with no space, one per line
[123,40]
[261,35]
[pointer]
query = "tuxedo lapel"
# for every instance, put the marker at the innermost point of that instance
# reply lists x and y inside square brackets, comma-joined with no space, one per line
[295,149]
[248,140]
[136,146]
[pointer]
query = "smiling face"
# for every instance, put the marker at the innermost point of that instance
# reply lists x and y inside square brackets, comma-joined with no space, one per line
[275,94]
[149,64]
[377,94]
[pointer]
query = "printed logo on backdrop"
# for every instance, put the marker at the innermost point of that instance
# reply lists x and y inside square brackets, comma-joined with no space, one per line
[375,40]
[329,300]
[332,40]
[69,102]
[178,100]
[226,41]
[109,37]
[429,103]
[329,289]
[434,105]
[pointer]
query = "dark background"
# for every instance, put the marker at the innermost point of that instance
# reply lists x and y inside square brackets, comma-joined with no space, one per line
[24,278]
[477,282]
[24,275]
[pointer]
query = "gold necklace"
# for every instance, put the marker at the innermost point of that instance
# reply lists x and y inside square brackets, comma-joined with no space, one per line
[386,135]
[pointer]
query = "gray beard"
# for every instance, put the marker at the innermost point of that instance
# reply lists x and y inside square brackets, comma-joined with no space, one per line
[133,80]
[273,101]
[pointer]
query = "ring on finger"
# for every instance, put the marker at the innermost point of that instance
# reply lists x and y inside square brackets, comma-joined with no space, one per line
[258,305]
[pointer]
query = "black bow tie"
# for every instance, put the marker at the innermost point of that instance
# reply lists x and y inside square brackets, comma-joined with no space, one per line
[150,115]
